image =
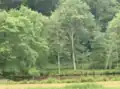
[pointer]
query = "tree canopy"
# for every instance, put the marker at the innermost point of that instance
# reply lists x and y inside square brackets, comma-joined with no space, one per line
[77,34]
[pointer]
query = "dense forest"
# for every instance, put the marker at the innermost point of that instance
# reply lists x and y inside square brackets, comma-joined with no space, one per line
[37,35]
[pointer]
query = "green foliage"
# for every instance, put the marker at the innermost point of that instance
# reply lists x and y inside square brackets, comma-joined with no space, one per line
[22,43]
[74,25]
[34,72]
[103,11]
[70,72]
[43,6]
[70,37]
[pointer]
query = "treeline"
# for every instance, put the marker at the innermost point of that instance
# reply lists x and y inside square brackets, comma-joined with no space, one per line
[38,34]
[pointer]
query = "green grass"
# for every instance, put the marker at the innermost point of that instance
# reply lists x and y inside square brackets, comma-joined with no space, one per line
[81,75]
[79,79]
[70,76]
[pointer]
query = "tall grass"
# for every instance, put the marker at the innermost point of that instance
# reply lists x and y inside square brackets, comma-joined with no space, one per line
[79,79]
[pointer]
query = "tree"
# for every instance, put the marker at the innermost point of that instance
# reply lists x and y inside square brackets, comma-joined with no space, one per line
[97,55]
[22,43]
[8,4]
[75,19]
[56,38]
[111,50]
[43,6]
[113,45]
[103,10]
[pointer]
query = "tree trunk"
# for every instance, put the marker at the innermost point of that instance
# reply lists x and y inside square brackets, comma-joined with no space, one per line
[73,52]
[110,64]
[59,51]
[59,63]
[108,58]
[117,54]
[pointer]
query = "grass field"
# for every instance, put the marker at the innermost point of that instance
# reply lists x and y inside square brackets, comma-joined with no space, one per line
[97,85]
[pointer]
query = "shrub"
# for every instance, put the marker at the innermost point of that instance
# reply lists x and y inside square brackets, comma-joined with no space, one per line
[50,80]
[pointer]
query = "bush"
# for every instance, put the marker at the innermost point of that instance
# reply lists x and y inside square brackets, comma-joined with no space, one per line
[50,80]
[34,72]
[65,72]
[87,79]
